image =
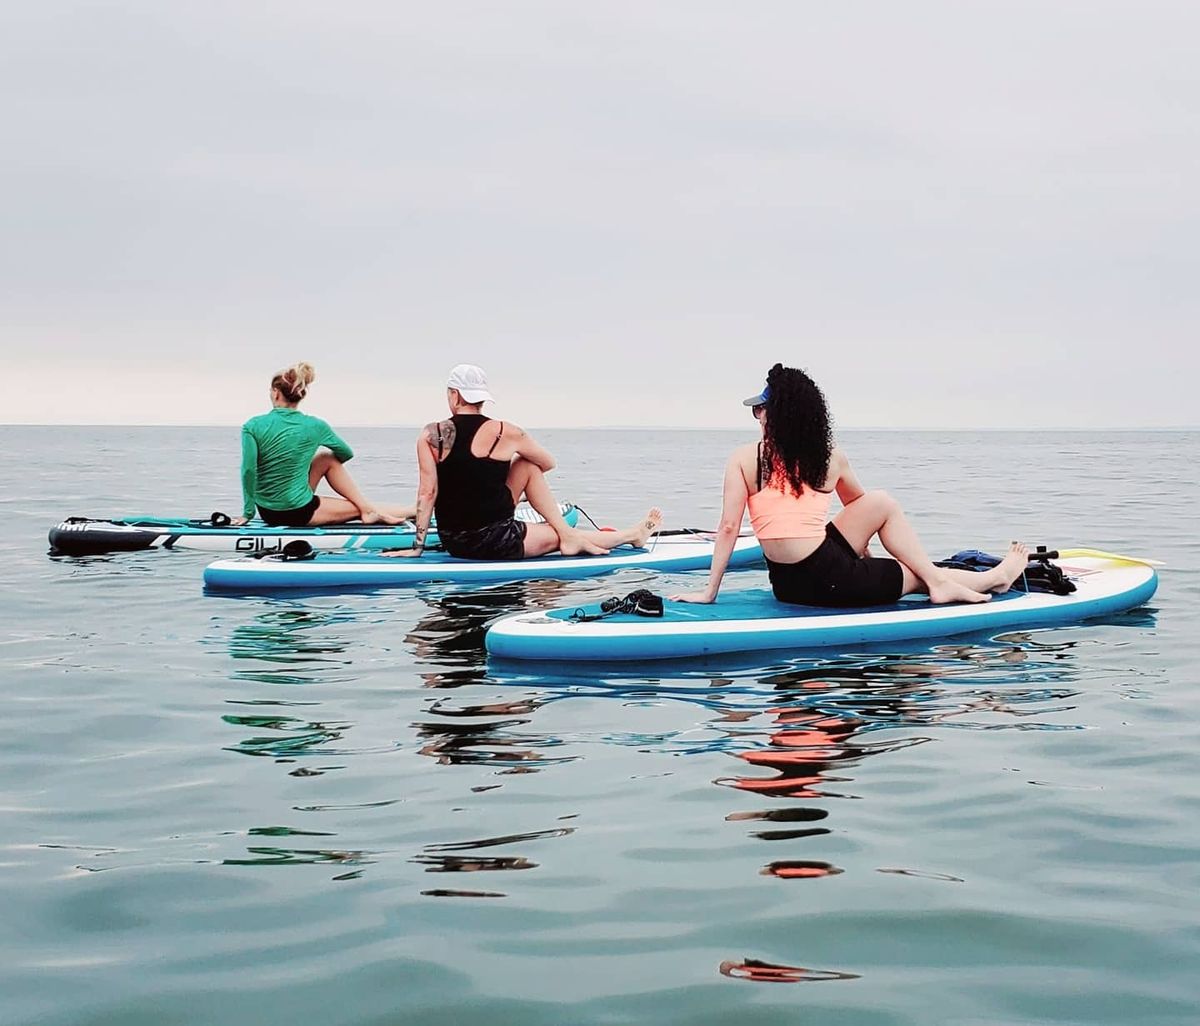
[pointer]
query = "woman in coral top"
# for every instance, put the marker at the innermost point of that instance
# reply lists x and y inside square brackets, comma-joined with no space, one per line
[788,481]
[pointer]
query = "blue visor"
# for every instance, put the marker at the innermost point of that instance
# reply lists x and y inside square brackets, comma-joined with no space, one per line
[758,400]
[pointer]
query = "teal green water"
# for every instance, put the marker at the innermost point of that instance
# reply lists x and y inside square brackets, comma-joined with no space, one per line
[328,809]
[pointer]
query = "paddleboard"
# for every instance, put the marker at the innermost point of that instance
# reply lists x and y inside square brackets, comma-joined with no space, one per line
[691,550]
[752,620]
[84,536]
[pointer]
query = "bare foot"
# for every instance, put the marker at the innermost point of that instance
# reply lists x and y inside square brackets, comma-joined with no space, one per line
[951,591]
[373,516]
[576,543]
[650,525]
[1012,566]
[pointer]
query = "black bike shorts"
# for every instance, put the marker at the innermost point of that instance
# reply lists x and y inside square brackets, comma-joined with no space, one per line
[834,575]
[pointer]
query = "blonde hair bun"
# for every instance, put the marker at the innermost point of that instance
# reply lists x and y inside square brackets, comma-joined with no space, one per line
[305,374]
[293,383]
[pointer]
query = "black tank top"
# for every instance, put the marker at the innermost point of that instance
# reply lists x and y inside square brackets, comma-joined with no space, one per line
[472,490]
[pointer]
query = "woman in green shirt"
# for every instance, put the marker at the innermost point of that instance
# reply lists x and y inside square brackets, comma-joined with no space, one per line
[282,464]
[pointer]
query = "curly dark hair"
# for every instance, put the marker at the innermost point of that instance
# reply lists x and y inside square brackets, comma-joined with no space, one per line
[797,434]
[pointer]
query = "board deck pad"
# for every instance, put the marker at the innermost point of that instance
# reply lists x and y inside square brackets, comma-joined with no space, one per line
[331,570]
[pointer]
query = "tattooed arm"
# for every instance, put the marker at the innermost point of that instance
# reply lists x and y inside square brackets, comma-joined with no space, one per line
[523,445]
[434,439]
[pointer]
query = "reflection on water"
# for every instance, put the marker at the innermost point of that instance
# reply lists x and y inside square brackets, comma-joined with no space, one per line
[450,634]
[312,646]
[807,757]
[271,856]
[799,731]
[945,877]
[293,736]
[810,724]
[493,743]
[435,858]
[791,869]
[798,814]
[758,971]
[292,645]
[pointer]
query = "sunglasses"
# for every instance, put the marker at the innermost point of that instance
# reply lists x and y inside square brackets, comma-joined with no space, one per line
[758,410]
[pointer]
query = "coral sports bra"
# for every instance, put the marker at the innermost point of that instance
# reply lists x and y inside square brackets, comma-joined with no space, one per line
[775,513]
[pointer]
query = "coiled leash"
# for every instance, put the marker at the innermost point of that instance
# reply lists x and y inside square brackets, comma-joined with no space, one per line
[639,603]
[295,550]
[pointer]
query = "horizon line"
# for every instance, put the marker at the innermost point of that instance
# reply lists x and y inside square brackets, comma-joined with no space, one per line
[661,427]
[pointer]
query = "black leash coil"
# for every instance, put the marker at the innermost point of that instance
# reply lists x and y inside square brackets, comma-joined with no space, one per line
[639,603]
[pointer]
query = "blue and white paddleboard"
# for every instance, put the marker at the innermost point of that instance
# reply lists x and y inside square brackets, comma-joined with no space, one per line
[752,620]
[82,536]
[683,551]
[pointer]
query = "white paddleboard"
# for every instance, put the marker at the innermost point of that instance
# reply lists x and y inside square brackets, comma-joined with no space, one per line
[330,570]
[751,620]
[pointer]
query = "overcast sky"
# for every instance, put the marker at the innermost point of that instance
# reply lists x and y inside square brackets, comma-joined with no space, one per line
[952,213]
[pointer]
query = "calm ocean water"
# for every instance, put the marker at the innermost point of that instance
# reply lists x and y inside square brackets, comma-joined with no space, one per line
[262,810]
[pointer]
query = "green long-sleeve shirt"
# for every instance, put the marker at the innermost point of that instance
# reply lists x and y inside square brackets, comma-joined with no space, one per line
[277,448]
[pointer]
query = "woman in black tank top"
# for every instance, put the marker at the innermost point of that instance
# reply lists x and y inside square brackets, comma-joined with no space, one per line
[472,490]
[474,505]
[475,493]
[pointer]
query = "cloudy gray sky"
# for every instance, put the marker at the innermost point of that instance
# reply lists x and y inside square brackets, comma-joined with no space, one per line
[953,213]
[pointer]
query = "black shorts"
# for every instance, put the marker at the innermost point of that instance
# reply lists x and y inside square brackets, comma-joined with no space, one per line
[504,539]
[298,517]
[834,575]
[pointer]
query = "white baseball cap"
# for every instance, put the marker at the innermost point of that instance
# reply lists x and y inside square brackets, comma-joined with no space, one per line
[470,382]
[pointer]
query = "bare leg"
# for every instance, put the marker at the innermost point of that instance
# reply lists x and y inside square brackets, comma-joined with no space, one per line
[540,540]
[333,511]
[356,505]
[527,480]
[878,513]
[997,580]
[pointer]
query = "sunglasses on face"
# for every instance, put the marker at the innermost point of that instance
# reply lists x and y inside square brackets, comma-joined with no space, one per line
[758,410]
